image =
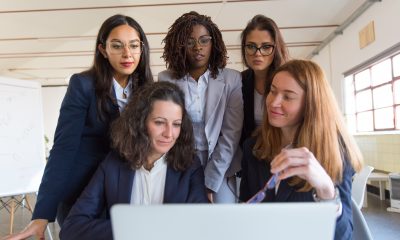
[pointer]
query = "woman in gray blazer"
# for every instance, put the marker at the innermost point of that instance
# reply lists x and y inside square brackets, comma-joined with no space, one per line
[195,55]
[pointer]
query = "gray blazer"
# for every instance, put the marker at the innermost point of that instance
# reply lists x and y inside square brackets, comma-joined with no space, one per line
[223,123]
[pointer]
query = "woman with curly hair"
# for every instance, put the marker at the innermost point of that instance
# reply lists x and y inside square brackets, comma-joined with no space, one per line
[195,55]
[153,162]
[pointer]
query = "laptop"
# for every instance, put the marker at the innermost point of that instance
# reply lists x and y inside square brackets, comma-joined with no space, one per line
[224,221]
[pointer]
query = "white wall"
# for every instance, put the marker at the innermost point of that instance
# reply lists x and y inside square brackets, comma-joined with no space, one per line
[52,98]
[343,53]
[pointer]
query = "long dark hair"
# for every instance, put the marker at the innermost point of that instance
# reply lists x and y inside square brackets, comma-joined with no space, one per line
[175,44]
[281,54]
[129,132]
[102,71]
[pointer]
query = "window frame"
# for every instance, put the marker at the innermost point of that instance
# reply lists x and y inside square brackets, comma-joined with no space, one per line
[350,76]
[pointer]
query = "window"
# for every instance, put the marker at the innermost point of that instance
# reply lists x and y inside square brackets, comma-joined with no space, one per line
[373,96]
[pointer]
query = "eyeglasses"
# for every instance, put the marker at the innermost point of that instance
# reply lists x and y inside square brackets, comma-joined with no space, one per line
[117,47]
[202,41]
[273,180]
[265,50]
[260,195]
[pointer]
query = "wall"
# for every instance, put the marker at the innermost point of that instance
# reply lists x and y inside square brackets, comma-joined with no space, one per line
[343,53]
[382,151]
[52,98]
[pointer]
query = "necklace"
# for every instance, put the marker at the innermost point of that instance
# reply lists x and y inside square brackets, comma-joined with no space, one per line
[124,92]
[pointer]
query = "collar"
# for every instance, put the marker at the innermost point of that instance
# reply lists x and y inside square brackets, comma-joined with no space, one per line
[204,77]
[158,164]
[119,87]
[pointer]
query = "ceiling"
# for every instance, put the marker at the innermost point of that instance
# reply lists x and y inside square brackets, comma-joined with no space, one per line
[48,40]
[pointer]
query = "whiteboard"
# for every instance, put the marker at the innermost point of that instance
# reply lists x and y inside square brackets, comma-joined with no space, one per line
[22,156]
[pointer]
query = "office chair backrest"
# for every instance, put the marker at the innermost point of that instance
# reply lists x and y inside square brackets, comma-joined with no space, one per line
[360,227]
[359,184]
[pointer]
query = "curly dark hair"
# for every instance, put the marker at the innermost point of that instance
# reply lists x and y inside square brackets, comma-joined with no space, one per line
[175,44]
[281,54]
[129,132]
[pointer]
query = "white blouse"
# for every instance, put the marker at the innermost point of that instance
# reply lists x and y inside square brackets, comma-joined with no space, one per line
[148,186]
[259,104]
[195,103]
[122,94]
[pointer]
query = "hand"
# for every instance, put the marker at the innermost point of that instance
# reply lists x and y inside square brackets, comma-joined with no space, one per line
[35,228]
[302,163]
[210,195]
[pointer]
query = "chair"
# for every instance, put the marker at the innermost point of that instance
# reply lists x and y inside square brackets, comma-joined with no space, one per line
[360,227]
[359,185]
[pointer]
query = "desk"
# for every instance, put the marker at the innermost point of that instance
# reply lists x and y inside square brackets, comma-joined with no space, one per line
[380,177]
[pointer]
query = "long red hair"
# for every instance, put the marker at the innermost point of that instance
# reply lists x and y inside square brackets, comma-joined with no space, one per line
[322,130]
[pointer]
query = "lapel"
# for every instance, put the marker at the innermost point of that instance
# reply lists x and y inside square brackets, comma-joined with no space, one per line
[183,84]
[215,89]
[250,99]
[114,109]
[263,173]
[263,176]
[171,183]
[248,86]
[284,192]
[125,182]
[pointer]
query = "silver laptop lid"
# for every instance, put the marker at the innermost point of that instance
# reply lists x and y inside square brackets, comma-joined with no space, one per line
[224,221]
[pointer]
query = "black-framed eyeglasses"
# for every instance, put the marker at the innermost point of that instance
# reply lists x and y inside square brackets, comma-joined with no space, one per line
[265,49]
[118,47]
[202,41]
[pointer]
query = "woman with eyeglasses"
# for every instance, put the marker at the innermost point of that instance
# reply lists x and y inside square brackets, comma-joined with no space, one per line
[263,50]
[195,55]
[94,98]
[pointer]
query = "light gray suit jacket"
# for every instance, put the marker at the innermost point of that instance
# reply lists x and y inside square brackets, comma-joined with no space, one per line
[223,123]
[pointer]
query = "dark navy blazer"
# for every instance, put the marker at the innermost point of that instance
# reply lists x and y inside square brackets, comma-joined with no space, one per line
[249,123]
[112,184]
[81,142]
[255,174]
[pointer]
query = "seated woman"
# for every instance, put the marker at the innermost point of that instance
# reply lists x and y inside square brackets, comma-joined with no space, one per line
[152,163]
[304,144]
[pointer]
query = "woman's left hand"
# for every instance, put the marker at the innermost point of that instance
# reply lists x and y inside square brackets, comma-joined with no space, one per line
[302,163]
